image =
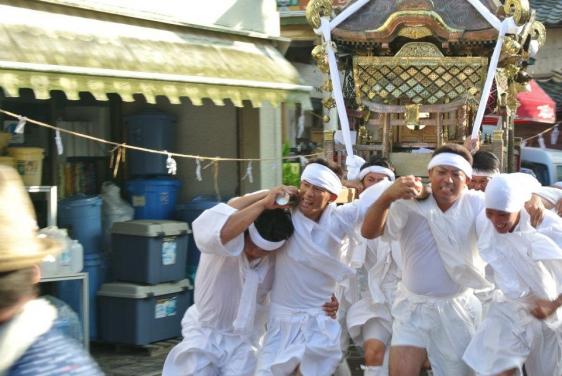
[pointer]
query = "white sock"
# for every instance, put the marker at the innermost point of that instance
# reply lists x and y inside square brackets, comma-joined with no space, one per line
[374,371]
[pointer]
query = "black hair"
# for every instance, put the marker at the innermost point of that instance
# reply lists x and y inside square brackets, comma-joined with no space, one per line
[274,225]
[331,165]
[455,149]
[485,161]
[375,160]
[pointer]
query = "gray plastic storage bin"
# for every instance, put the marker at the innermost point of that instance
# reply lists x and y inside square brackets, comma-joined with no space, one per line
[149,251]
[136,314]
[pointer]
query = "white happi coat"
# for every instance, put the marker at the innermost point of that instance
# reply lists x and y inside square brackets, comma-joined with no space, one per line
[373,295]
[525,264]
[434,305]
[454,232]
[211,344]
[299,333]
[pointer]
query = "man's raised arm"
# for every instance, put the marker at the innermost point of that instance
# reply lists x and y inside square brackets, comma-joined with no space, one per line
[405,187]
[249,207]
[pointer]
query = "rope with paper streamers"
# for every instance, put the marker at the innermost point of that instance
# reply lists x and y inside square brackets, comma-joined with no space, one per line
[554,136]
[118,152]
[147,150]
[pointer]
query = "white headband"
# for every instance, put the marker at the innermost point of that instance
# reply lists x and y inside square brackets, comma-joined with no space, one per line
[551,194]
[321,176]
[453,160]
[264,244]
[378,170]
[509,192]
[488,173]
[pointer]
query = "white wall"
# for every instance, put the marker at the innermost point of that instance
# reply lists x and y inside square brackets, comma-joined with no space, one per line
[245,15]
[270,145]
[549,57]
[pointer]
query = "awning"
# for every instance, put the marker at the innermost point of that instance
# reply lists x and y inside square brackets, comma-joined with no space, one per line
[534,106]
[45,51]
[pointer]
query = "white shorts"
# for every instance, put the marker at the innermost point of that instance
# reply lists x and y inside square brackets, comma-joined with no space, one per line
[442,326]
[309,341]
[376,315]
[510,337]
[208,352]
[374,329]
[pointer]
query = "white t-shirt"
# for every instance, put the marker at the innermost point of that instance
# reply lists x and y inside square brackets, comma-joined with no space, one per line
[219,281]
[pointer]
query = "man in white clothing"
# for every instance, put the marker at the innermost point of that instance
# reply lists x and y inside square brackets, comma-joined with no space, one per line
[435,311]
[234,276]
[299,337]
[485,166]
[371,292]
[527,271]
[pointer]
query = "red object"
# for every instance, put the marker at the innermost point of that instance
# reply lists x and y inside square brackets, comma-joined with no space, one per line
[534,106]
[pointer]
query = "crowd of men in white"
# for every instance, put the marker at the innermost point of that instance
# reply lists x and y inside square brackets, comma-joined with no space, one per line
[460,280]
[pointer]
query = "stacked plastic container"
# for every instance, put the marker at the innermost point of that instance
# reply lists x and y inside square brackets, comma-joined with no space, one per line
[81,216]
[149,258]
[151,191]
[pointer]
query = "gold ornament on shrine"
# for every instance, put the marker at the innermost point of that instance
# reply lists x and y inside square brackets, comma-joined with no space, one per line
[327,86]
[518,9]
[321,58]
[412,116]
[317,9]
[329,103]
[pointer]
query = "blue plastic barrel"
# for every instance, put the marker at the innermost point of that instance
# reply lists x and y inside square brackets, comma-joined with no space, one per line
[81,215]
[188,213]
[153,130]
[71,291]
[153,198]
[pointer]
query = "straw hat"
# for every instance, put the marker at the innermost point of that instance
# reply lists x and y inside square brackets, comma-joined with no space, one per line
[20,244]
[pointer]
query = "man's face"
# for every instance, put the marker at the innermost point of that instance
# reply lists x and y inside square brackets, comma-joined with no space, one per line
[447,184]
[503,222]
[478,183]
[313,200]
[373,178]
[252,251]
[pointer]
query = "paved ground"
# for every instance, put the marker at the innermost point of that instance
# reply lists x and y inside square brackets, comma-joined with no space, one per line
[122,360]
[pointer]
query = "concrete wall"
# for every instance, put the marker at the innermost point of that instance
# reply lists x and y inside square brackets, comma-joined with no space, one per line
[206,130]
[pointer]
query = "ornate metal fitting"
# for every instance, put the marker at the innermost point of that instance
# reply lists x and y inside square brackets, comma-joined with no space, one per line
[519,9]
[329,103]
[327,86]
[511,47]
[412,114]
[317,9]
[326,119]
[321,58]
[538,32]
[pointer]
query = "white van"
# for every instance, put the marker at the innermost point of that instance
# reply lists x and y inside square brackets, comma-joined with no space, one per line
[545,163]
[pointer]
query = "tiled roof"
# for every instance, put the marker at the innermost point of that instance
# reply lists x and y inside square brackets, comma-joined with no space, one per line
[548,11]
[553,87]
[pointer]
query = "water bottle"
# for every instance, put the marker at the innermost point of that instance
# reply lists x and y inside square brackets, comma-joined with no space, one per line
[77,257]
[286,198]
